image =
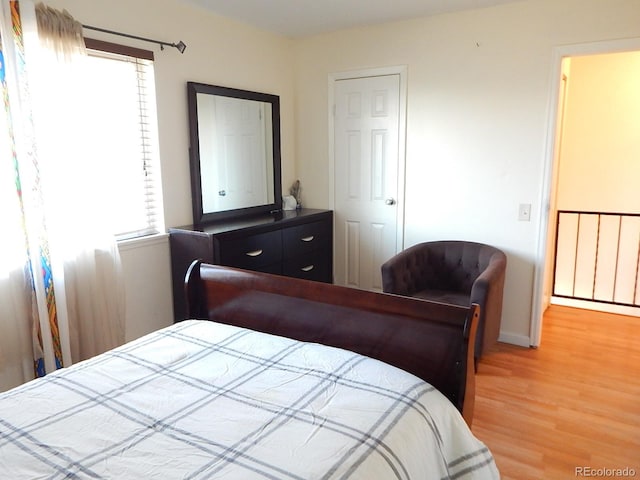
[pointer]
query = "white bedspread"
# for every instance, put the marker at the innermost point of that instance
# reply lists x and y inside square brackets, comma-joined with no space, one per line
[204,400]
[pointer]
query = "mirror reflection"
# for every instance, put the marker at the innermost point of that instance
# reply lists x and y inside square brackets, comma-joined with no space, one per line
[235,150]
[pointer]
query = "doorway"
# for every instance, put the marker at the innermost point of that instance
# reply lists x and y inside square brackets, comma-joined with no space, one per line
[579,165]
[367,124]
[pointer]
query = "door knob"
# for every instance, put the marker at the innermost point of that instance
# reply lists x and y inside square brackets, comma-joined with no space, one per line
[390,201]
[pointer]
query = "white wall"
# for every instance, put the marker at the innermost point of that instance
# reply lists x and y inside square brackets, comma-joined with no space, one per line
[147,274]
[479,84]
[220,52]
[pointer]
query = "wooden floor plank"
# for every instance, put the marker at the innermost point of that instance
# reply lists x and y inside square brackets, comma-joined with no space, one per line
[574,402]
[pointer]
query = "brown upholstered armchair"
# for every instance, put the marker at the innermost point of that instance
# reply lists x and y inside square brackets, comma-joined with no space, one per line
[455,272]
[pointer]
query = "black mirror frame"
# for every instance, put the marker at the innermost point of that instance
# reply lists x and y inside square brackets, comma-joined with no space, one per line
[200,217]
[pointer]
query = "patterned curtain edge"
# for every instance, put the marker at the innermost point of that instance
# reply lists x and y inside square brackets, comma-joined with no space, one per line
[44,312]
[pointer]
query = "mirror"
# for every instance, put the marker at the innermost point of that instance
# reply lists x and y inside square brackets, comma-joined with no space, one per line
[234,152]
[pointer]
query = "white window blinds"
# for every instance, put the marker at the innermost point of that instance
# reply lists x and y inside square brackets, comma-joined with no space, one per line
[121,108]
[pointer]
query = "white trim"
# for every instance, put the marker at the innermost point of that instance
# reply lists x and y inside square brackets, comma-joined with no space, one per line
[514,339]
[599,307]
[141,242]
[400,70]
[558,54]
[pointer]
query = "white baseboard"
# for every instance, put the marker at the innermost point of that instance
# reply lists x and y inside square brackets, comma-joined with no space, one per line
[597,306]
[515,339]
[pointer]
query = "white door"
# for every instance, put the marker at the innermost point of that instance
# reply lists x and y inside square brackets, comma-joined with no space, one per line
[366,156]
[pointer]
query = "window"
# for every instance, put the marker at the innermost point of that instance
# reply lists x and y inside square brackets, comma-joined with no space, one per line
[120,109]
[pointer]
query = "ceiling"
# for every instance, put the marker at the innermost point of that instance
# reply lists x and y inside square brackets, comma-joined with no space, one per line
[299,18]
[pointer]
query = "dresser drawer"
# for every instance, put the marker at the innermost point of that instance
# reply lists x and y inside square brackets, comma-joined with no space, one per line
[306,238]
[315,265]
[252,252]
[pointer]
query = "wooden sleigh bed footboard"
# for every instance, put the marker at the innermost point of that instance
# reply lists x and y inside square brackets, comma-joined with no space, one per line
[433,341]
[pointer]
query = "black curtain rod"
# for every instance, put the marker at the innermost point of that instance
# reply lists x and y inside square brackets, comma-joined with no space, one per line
[180,45]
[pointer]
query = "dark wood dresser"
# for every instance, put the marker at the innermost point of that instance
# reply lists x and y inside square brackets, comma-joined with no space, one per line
[297,243]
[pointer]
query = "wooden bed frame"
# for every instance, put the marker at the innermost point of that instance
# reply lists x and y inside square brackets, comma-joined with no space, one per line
[428,339]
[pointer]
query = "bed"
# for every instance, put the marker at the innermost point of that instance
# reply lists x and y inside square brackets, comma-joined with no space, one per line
[271,377]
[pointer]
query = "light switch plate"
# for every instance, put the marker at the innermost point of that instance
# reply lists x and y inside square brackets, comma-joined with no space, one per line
[524,212]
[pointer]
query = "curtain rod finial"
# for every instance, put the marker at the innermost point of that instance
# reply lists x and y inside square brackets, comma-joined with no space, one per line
[180,46]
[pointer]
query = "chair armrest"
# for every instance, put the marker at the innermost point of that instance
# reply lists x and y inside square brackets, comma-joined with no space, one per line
[487,290]
[492,277]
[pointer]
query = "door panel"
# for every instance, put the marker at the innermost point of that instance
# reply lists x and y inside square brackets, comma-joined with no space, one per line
[366,133]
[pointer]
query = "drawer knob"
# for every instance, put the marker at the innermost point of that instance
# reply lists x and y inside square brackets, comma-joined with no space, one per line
[254,253]
[307,239]
[308,268]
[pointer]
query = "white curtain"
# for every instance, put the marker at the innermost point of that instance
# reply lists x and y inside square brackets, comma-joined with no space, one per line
[16,317]
[61,259]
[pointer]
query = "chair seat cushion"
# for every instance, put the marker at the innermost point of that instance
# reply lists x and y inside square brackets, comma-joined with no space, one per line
[444,296]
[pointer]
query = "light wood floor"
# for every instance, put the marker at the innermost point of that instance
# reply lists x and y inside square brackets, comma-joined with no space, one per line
[573,402]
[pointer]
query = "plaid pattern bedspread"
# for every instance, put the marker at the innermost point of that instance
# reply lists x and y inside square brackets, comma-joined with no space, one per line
[203,400]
